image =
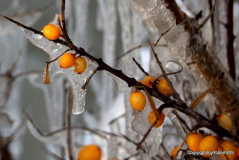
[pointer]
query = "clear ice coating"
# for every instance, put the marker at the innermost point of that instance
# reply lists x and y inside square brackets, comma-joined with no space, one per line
[140,124]
[121,85]
[76,80]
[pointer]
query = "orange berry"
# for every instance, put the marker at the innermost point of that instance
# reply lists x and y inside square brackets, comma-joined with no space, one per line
[67,60]
[152,118]
[137,100]
[164,88]
[80,65]
[193,141]
[51,31]
[174,151]
[224,121]
[228,146]
[208,143]
[90,152]
[148,81]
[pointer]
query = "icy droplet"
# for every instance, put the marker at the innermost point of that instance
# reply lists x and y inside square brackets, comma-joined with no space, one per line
[76,80]
[121,85]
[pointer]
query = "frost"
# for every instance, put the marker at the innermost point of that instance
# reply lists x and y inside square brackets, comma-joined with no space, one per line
[76,80]
[141,125]
[121,85]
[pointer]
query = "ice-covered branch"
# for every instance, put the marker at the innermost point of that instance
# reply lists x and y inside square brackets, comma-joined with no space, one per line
[203,122]
[187,46]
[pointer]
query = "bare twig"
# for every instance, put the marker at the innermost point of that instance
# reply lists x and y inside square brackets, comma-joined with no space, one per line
[146,134]
[15,62]
[31,11]
[140,67]
[61,130]
[230,40]
[121,136]
[162,35]
[183,123]
[179,148]
[7,117]
[176,95]
[58,56]
[139,46]
[172,73]
[117,118]
[69,145]
[210,15]
[62,24]
[33,30]
[165,150]
[88,80]
[133,155]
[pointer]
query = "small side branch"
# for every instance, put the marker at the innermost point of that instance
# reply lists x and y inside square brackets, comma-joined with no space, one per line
[69,145]
[176,95]
[230,40]
[210,15]
[140,67]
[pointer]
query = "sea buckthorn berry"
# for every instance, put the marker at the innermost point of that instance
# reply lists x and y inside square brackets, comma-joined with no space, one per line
[90,152]
[164,88]
[228,146]
[137,100]
[208,143]
[80,65]
[152,118]
[67,60]
[224,121]
[193,141]
[174,151]
[148,81]
[51,31]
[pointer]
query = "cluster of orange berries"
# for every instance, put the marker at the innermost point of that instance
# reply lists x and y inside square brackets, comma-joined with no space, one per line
[162,85]
[90,152]
[68,60]
[196,142]
[53,32]
[138,100]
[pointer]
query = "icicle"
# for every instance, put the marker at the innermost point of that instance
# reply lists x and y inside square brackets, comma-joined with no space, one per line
[76,80]
[140,124]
